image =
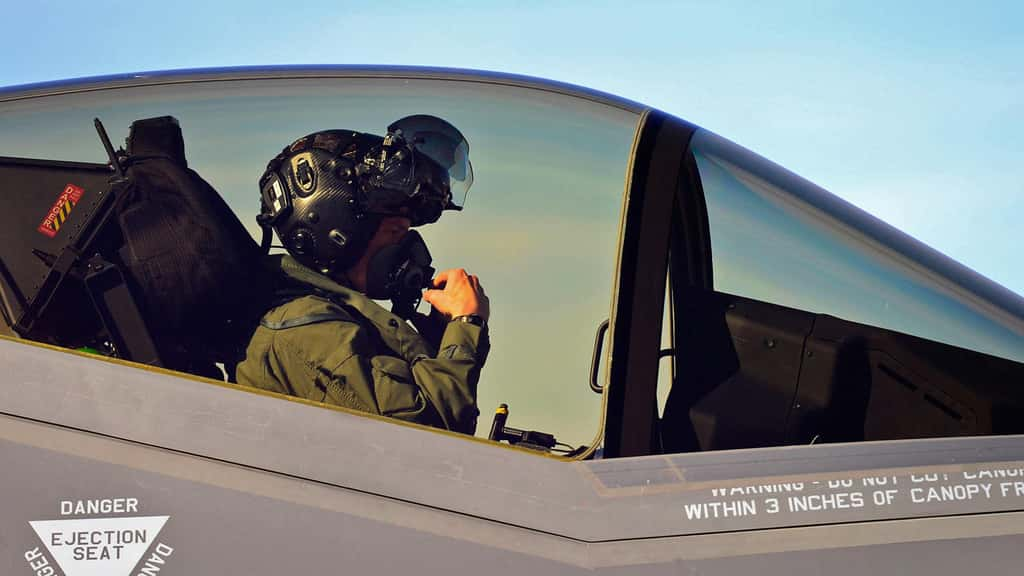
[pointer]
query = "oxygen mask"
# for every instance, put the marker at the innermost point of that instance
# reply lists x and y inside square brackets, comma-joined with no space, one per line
[400,273]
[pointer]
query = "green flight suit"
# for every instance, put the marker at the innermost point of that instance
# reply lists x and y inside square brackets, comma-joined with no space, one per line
[334,345]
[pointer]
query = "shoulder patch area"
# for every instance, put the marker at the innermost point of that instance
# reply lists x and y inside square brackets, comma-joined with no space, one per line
[303,312]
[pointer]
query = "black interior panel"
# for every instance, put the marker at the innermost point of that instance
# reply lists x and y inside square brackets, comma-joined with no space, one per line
[754,374]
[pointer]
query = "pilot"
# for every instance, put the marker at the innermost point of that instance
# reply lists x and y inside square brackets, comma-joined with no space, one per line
[342,203]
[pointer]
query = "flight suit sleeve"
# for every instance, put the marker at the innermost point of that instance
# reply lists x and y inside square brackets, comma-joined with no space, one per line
[449,380]
[335,362]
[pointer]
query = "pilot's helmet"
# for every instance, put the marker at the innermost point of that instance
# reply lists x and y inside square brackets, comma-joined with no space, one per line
[325,194]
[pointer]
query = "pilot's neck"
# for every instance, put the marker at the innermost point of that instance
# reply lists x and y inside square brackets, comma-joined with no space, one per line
[354,277]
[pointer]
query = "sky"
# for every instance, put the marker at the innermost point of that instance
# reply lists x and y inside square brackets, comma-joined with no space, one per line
[910,110]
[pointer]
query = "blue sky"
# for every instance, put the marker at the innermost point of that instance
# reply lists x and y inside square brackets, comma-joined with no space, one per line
[909,110]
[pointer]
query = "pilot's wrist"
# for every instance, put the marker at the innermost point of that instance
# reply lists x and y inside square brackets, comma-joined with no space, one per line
[475,319]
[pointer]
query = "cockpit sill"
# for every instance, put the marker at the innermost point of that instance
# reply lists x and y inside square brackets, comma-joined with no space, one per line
[590,501]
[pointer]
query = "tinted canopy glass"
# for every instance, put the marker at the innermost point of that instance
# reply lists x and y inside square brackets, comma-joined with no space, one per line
[548,172]
[780,239]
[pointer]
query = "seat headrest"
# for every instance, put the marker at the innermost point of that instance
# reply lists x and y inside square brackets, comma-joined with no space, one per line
[160,137]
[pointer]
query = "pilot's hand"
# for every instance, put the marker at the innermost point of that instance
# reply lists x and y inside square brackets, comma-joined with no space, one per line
[458,294]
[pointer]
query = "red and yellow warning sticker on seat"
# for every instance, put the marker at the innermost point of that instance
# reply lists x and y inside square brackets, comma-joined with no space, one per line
[60,211]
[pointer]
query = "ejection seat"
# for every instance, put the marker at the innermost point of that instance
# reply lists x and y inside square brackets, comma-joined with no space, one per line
[139,258]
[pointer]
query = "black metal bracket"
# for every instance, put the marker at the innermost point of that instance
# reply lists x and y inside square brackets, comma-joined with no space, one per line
[118,312]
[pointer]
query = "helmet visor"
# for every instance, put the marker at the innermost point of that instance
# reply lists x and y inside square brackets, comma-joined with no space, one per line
[442,143]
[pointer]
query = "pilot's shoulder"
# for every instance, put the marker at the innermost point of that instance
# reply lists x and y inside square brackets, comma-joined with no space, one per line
[304,311]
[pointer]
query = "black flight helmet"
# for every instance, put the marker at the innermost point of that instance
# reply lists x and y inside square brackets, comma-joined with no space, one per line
[325,194]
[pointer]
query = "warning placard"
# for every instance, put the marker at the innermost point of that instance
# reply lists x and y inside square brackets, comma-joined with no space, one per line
[980,489]
[97,537]
[99,546]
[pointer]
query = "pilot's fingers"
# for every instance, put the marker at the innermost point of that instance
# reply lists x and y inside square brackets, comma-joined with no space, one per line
[435,297]
[441,279]
[474,281]
[445,277]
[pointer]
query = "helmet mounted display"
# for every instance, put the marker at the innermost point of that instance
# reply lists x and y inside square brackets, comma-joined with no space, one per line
[438,140]
[325,194]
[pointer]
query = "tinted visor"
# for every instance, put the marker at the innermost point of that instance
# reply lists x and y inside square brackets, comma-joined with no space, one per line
[442,143]
[400,181]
